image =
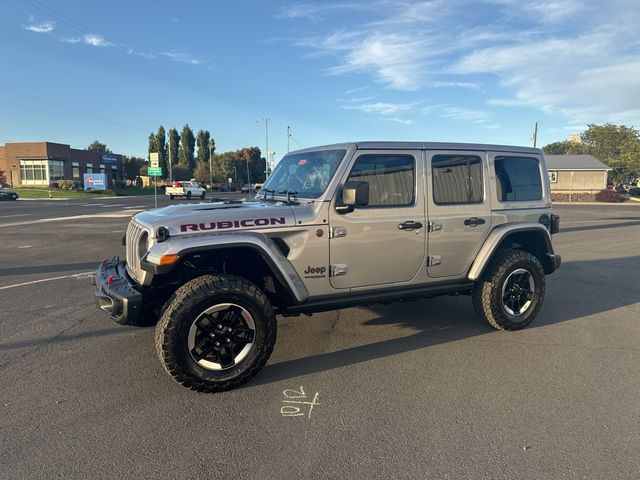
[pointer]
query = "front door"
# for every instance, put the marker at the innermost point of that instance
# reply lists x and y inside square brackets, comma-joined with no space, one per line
[459,210]
[384,242]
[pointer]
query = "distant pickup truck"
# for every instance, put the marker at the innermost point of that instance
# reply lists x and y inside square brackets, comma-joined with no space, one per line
[185,189]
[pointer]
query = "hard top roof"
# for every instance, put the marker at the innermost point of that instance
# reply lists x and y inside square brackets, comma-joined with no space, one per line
[423,146]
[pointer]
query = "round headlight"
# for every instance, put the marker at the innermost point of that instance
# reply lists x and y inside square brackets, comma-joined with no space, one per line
[143,245]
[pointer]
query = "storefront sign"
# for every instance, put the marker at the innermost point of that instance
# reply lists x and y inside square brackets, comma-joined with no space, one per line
[95,181]
[112,159]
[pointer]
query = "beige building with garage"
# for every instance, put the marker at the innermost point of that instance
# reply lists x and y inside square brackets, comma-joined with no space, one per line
[576,174]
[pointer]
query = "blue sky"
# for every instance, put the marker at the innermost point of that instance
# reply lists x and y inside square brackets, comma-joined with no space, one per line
[440,70]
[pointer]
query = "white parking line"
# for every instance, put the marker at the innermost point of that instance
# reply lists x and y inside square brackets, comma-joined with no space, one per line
[121,214]
[75,275]
[18,215]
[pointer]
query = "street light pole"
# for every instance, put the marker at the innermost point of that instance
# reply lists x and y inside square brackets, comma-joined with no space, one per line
[265,122]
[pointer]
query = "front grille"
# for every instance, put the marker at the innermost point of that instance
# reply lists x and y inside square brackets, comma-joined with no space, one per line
[134,233]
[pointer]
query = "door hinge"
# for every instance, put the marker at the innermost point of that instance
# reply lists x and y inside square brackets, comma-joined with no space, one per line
[434,227]
[337,232]
[434,260]
[338,269]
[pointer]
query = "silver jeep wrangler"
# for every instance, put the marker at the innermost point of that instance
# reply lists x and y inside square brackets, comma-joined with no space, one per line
[334,227]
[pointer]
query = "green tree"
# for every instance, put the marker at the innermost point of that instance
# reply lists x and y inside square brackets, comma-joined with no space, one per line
[131,167]
[161,146]
[186,158]
[201,173]
[564,148]
[97,146]
[152,144]
[3,178]
[174,143]
[202,140]
[618,146]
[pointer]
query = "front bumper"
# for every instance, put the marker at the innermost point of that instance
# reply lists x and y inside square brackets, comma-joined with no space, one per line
[116,293]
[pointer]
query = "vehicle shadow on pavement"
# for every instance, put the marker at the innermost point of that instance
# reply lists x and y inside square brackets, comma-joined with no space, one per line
[574,292]
[63,267]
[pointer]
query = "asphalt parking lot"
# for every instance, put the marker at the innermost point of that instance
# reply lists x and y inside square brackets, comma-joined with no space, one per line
[414,390]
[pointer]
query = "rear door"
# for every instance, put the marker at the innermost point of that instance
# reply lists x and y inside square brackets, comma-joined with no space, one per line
[459,210]
[384,242]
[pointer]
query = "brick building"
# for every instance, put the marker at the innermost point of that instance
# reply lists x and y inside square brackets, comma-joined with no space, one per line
[39,164]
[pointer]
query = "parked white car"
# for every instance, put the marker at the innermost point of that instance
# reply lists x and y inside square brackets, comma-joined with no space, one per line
[185,189]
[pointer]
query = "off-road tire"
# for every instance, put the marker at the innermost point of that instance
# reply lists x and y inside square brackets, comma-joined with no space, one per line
[181,311]
[487,295]
[202,195]
[188,195]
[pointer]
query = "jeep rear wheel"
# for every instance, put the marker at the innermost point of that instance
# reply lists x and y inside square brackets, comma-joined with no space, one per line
[216,333]
[188,195]
[511,291]
[202,195]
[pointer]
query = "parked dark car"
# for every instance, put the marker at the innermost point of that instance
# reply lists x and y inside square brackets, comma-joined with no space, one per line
[6,194]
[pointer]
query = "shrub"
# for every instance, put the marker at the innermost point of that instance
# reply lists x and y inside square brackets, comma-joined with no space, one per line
[609,196]
[120,184]
[634,191]
[68,185]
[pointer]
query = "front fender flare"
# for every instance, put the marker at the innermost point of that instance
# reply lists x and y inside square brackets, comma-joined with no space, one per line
[495,238]
[263,245]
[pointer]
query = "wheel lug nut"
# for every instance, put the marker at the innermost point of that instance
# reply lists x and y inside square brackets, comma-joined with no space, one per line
[219,326]
[228,340]
[229,329]
[212,335]
[217,344]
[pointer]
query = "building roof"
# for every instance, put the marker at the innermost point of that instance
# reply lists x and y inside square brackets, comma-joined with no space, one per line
[574,162]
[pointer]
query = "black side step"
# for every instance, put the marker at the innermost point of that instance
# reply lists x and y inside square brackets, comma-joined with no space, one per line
[377,297]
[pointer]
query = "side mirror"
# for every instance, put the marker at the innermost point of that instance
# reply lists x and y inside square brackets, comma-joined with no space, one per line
[354,194]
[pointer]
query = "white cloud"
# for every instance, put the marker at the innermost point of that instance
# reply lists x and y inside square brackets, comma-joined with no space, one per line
[183,57]
[96,40]
[317,12]
[461,114]
[381,108]
[46,27]
[72,40]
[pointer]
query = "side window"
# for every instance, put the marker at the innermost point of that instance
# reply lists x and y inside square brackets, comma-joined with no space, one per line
[391,179]
[457,179]
[518,179]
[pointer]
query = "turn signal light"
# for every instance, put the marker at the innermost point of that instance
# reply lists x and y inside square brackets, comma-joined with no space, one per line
[168,259]
[111,279]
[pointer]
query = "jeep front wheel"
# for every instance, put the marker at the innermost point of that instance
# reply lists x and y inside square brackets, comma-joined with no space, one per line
[511,291]
[216,333]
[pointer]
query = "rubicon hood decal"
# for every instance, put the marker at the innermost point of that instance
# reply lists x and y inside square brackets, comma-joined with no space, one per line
[225,224]
[203,217]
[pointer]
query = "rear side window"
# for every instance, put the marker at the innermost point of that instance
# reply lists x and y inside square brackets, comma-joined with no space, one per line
[391,179]
[457,179]
[518,179]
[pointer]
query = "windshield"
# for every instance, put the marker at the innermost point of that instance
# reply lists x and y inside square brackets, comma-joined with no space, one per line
[308,174]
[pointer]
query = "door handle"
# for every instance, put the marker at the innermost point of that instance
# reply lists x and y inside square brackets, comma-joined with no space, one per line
[409,225]
[474,221]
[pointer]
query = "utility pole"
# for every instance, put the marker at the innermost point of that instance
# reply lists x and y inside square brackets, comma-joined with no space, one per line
[265,122]
[288,137]
[210,171]
[534,135]
[170,169]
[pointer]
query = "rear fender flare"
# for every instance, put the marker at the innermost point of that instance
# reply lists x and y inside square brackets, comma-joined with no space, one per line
[496,238]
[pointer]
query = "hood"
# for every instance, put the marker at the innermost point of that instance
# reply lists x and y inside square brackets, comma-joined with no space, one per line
[213,217]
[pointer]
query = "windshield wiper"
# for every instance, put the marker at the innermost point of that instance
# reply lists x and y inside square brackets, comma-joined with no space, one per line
[290,193]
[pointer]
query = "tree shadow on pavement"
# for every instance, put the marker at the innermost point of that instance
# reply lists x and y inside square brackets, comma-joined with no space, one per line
[577,290]
[63,267]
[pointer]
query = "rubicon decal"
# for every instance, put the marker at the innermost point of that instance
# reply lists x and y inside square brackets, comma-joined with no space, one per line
[227,224]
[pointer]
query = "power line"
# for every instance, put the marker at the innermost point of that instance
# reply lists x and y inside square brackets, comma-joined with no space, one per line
[128,51]
[42,101]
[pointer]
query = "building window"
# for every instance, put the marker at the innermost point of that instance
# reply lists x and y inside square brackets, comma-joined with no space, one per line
[56,170]
[33,172]
[518,179]
[89,168]
[391,179]
[114,172]
[457,179]
[102,168]
[76,170]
